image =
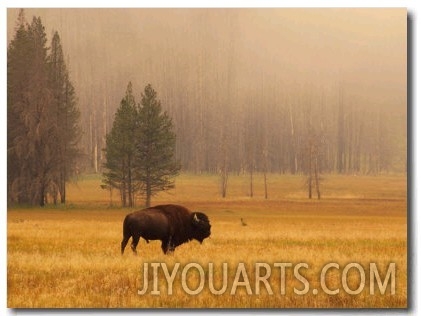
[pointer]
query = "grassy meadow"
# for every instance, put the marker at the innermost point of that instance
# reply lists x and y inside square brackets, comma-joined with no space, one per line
[70,256]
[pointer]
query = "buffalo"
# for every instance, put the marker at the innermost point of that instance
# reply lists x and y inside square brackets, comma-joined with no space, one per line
[172,224]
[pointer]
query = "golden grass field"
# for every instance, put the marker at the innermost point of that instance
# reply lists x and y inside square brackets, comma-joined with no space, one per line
[70,256]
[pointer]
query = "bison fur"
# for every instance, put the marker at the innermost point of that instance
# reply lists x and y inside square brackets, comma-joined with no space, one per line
[172,224]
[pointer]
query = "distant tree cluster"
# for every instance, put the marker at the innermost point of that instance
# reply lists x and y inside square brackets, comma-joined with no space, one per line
[42,117]
[140,149]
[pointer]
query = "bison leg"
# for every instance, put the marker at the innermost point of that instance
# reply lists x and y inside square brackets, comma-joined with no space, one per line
[124,243]
[164,246]
[135,241]
[171,245]
[167,245]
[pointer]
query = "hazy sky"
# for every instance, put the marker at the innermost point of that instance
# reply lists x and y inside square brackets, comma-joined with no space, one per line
[361,49]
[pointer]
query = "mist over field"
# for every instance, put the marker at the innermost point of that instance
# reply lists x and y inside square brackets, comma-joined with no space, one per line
[240,82]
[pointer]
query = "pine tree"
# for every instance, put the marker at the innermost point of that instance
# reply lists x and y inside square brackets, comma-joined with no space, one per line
[120,150]
[42,116]
[29,105]
[18,58]
[155,164]
[140,149]
[66,128]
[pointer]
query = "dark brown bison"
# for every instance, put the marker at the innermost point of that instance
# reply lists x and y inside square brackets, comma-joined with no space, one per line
[172,224]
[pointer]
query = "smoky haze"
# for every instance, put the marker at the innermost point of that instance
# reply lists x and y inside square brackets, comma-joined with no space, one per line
[219,72]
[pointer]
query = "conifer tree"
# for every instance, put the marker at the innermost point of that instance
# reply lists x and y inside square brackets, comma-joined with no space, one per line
[42,116]
[18,59]
[156,164]
[66,129]
[120,150]
[140,149]
[29,106]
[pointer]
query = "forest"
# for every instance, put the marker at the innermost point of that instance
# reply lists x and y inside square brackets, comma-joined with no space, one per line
[248,90]
[42,116]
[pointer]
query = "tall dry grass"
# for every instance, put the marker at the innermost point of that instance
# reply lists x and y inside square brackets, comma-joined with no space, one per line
[70,257]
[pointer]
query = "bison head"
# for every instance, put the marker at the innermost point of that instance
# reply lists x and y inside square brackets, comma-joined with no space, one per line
[201,226]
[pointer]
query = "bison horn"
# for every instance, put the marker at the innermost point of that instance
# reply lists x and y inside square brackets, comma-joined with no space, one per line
[196,219]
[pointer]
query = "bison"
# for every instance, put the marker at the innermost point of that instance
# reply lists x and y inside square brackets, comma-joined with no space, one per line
[172,224]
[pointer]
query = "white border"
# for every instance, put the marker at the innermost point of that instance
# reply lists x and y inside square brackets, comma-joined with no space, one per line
[411,5]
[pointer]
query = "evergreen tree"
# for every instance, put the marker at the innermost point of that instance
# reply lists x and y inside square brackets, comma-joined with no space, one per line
[156,164]
[66,128]
[120,150]
[29,105]
[18,58]
[40,123]
[140,149]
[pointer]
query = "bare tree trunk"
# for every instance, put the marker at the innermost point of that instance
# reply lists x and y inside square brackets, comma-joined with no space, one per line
[62,186]
[223,156]
[111,195]
[294,149]
[251,180]
[341,163]
[224,181]
[95,157]
[91,136]
[265,167]
[350,141]
[310,184]
[316,175]
[103,136]
[42,194]
[129,184]
[148,199]
[123,194]
[148,189]
[266,185]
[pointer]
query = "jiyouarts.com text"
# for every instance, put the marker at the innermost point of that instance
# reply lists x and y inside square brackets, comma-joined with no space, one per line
[279,278]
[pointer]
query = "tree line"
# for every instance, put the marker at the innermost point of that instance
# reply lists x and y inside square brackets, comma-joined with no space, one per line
[239,108]
[42,117]
[230,115]
[224,125]
[273,133]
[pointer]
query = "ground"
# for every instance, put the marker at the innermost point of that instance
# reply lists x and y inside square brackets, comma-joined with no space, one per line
[70,256]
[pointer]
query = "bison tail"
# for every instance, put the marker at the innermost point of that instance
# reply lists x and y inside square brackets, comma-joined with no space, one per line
[123,244]
[126,235]
[126,227]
